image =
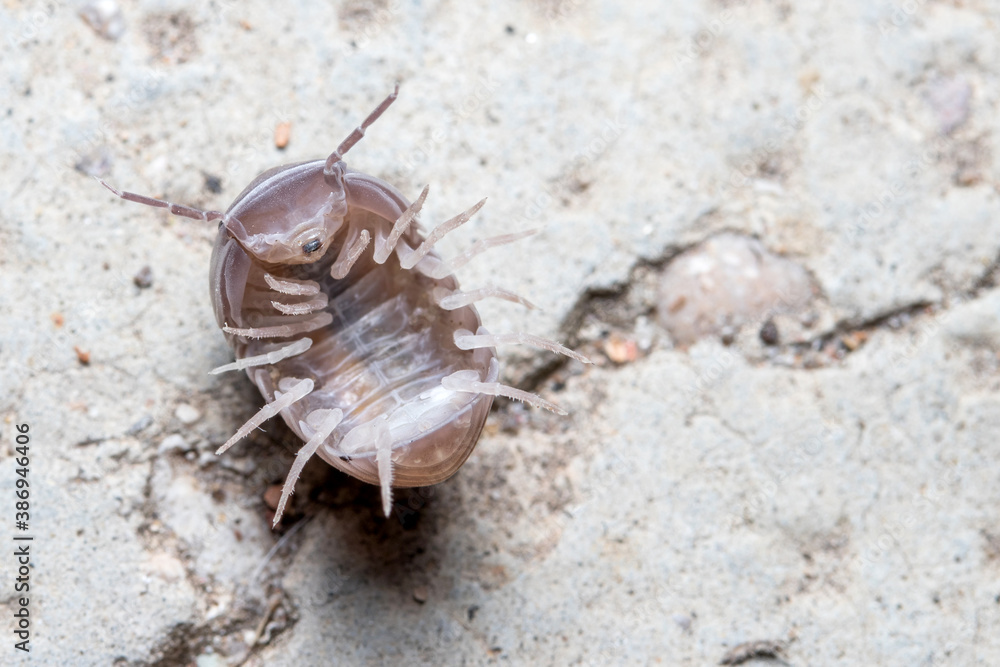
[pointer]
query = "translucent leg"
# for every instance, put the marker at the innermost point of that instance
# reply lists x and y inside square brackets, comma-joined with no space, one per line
[452,300]
[383,250]
[292,287]
[383,457]
[296,393]
[437,234]
[349,255]
[326,426]
[303,308]
[447,268]
[466,340]
[468,381]
[298,347]
[283,330]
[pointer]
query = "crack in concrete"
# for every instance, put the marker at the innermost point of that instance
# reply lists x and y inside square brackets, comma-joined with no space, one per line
[619,307]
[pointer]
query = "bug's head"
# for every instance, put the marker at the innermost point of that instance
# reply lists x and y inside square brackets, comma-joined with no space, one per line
[287,215]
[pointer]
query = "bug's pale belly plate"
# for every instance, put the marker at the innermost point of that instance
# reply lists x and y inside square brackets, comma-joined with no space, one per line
[383,355]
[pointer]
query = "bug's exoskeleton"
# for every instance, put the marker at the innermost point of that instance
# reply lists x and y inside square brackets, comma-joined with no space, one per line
[376,360]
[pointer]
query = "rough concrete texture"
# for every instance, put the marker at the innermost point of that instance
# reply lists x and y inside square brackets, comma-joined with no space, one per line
[831,483]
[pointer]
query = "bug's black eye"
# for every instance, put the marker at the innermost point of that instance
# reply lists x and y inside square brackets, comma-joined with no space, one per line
[312,246]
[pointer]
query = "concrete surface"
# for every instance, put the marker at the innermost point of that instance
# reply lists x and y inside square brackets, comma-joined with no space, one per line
[826,478]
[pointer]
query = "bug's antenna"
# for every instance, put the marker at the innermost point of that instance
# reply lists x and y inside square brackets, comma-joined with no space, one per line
[231,223]
[176,209]
[355,136]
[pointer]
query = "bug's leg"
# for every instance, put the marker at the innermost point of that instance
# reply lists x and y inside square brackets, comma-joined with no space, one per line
[383,457]
[349,254]
[355,136]
[299,391]
[283,330]
[385,248]
[303,307]
[176,209]
[329,422]
[466,340]
[451,300]
[468,381]
[411,259]
[292,287]
[273,357]
[444,269]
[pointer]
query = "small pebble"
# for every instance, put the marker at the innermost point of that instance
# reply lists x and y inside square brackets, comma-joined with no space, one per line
[747,651]
[243,466]
[949,98]
[420,594]
[144,278]
[621,349]
[854,340]
[209,660]
[105,18]
[57,320]
[213,183]
[172,443]
[187,414]
[144,422]
[82,355]
[726,281]
[282,134]
[769,333]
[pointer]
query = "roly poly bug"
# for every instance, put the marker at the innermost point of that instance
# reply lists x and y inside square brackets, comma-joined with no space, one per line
[370,359]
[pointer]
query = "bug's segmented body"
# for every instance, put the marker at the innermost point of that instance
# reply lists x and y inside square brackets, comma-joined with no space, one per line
[375,359]
[381,356]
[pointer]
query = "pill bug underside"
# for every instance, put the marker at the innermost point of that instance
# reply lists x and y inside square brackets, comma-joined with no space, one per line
[375,359]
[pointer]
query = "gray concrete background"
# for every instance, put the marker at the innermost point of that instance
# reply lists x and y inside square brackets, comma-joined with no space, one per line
[836,492]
